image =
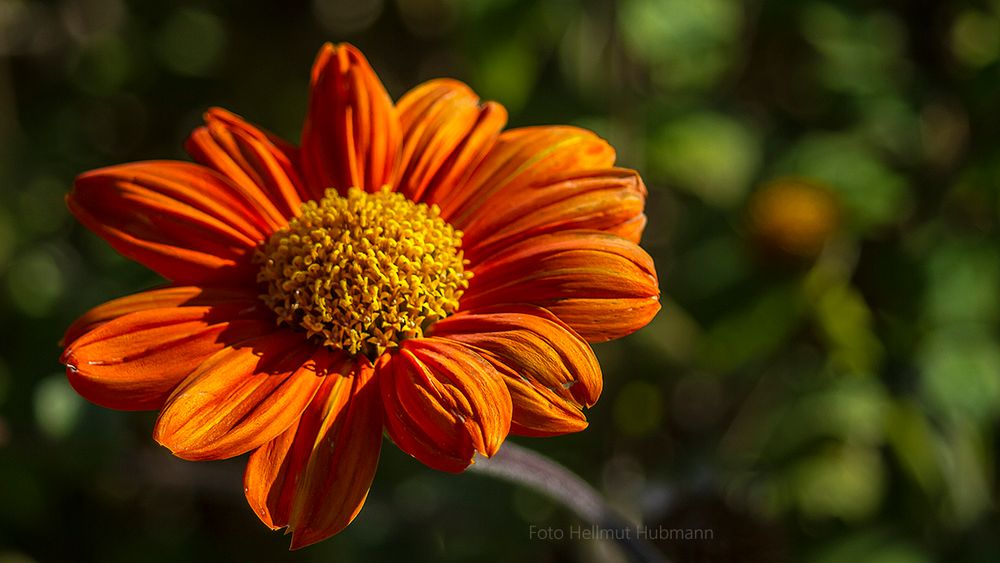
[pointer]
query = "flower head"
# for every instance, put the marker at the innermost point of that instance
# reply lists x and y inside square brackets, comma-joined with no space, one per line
[411,268]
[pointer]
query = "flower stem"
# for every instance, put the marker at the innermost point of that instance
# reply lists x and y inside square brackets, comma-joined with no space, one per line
[528,468]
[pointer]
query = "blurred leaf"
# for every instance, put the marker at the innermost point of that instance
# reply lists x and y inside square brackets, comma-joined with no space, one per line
[57,406]
[842,481]
[342,17]
[686,44]
[916,445]
[889,123]
[975,38]
[5,382]
[103,66]
[41,207]
[849,409]
[969,470]
[817,412]
[483,8]
[870,546]
[35,282]
[638,408]
[507,73]
[7,238]
[14,557]
[751,332]
[191,42]
[861,54]
[86,19]
[23,494]
[712,266]
[872,194]
[672,333]
[962,281]
[959,369]
[533,507]
[846,322]
[708,154]
[584,44]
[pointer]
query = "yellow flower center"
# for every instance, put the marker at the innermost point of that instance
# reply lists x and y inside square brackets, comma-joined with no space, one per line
[363,272]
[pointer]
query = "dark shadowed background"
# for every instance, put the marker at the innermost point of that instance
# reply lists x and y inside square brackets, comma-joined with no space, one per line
[822,385]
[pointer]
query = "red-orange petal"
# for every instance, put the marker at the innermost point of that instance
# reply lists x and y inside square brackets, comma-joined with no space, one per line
[602,285]
[242,397]
[273,470]
[550,371]
[351,135]
[443,402]
[521,159]
[162,298]
[609,200]
[333,488]
[446,133]
[315,476]
[258,166]
[182,220]
[134,361]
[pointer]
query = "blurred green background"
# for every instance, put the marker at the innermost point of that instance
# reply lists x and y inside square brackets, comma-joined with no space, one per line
[822,385]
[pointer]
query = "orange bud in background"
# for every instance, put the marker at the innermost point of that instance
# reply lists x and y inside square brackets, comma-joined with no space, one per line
[793,217]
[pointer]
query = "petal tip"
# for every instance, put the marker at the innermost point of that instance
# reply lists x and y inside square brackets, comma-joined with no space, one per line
[492,447]
[304,537]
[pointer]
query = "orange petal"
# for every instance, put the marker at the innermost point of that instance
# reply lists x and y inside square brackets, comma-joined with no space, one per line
[242,397]
[608,200]
[182,220]
[315,476]
[443,402]
[521,159]
[600,284]
[446,133]
[258,167]
[351,135]
[162,298]
[274,468]
[550,371]
[135,361]
[333,488]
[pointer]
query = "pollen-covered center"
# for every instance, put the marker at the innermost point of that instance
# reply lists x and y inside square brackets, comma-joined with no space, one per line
[363,272]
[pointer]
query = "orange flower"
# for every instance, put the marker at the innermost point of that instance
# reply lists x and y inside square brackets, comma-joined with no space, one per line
[411,268]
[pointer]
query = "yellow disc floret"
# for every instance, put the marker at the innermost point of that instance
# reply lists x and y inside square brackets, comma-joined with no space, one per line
[365,271]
